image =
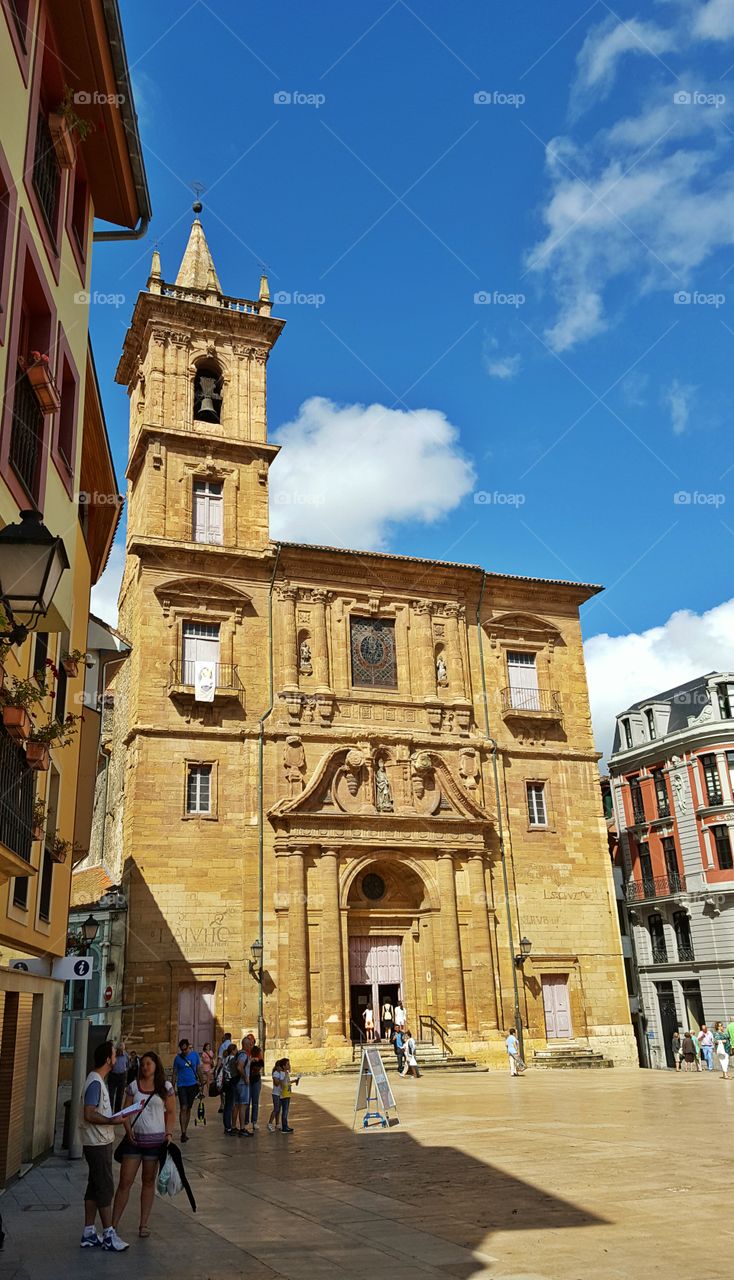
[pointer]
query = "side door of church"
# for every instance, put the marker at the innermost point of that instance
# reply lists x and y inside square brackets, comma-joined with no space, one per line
[196,1013]
[556,1006]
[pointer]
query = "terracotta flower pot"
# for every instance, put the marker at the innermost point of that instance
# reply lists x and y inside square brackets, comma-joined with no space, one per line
[38,833]
[44,387]
[17,722]
[58,855]
[71,667]
[38,755]
[63,140]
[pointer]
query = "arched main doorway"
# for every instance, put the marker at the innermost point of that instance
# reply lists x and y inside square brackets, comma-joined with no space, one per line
[386,905]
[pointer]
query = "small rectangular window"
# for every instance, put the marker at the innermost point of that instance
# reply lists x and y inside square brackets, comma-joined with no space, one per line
[726,701]
[661,793]
[638,803]
[722,841]
[199,789]
[208,507]
[20,893]
[712,779]
[537,814]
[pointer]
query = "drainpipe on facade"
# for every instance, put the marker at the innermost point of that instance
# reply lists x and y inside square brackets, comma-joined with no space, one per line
[500,827]
[260,809]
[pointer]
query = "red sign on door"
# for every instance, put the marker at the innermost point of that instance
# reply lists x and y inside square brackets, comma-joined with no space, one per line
[107,994]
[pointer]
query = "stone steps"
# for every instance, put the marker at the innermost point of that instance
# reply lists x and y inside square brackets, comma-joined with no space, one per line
[430,1058]
[573,1057]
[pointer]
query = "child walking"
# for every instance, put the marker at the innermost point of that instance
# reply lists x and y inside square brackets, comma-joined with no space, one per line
[285,1095]
[277,1088]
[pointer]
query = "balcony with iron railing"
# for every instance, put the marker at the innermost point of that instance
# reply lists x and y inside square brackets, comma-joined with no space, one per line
[655,887]
[685,955]
[17,789]
[227,683]
[540,704]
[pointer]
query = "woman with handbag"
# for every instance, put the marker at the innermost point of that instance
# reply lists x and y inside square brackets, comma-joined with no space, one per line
[145,1135]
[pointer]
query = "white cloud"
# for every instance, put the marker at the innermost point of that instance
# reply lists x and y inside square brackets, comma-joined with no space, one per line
[105,593]
[623,669]
[503,367]
[348,473]
[715,20]
[610,41]
[678,399]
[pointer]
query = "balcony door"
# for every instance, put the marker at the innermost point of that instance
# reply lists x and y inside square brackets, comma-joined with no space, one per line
[523,677]
[200,644]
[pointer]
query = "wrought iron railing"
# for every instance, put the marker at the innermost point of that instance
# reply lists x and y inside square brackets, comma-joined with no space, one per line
[659,953]
[655,887]
[226,676]
[26,436]
[533,701]
[46,173]
[427,1023]
[686,954]
[17,786]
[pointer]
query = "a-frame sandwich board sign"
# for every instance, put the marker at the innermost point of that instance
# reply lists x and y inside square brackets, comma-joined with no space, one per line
[374,1094]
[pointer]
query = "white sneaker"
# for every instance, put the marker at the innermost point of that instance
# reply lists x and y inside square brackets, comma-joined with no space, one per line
[112,1242]
[90,1239]
[271,1127]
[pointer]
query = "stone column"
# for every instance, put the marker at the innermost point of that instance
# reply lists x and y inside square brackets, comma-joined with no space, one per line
[482,946]
[457,687]
[451,945]
[289,644]
[298,966]
[425,682]
[332,972]
[320,642]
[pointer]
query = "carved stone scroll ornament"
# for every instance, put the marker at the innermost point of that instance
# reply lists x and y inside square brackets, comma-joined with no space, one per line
[348,781]
[294,764]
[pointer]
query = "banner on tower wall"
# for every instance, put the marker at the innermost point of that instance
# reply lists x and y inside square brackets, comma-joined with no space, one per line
[204,681]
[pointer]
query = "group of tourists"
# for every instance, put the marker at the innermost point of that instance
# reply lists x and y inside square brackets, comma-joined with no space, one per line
[236,1076]
[696,1052]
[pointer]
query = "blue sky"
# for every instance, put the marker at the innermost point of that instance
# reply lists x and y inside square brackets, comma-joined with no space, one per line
[586,187]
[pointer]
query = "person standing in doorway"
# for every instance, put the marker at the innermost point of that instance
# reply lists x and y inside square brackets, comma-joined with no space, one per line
[387,1018]
[187,1081]
[706,1045]
[676,1050]
[117,1079]
[369,1022]
[722,1049]
[512,1044]
[400,1016]
[97,1134]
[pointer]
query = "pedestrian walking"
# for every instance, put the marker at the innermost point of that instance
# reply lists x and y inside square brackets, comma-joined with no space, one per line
[117,1079]
[411,1061]
[399,1047]
[722,1049]
[277,1076]
[146,1134]
[96,1130]
[207,1064]
[512,1044]
[689,1052]
[676,1050]
[706,1046]
[187,1081]
[287,1084]
[252,1110]
[230,1077]
[387,1018]
[369,1022]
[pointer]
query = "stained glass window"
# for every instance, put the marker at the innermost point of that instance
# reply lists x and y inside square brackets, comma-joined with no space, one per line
[373,653]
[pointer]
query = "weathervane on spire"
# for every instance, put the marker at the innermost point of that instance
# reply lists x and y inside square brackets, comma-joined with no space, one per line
[198,189]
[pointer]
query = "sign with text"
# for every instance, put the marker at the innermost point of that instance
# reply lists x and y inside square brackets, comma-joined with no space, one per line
[374,1092]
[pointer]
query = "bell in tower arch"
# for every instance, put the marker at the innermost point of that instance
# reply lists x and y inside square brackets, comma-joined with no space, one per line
[207,396]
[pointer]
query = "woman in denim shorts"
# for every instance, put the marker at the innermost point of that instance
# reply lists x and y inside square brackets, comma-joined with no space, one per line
[145,1134]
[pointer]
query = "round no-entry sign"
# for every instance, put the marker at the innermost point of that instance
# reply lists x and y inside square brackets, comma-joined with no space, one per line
[107,994]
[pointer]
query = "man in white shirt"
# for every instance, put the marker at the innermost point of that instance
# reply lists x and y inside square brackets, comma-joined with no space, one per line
[400,1016]
[96,1129]
[512,1044]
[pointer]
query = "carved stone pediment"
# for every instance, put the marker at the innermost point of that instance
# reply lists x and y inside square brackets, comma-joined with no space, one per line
[192,592]
[522,626]
[351,781]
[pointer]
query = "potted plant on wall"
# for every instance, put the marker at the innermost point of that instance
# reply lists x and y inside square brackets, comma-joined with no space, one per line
[67,128]
[38,819]
[40,375]
[60,848]
[54,733]
[70,662]
[18,697]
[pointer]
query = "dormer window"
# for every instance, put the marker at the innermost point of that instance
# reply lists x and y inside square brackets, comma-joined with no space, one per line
[726,701]
[627,731]
[650,718]
[208,393]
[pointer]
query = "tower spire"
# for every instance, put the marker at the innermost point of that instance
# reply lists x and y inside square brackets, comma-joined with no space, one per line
[197,269]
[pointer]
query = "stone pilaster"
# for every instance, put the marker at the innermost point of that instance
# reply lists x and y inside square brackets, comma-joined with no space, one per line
[484,988]
[288,652]
[451,945]
[457,685]
[298,966]
[320,641]
[332,974]
[425,681]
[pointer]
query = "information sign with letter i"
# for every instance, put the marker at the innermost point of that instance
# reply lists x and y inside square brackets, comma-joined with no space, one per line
[374,1095]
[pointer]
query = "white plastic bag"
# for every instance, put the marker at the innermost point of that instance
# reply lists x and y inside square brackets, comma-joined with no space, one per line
[169,1179]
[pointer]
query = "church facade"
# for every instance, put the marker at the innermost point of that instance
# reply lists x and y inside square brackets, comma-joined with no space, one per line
[338,778]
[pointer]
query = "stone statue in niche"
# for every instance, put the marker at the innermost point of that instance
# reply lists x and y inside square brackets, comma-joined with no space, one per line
[469,768]
[383,792]
[294,763]
[305,664]
[442,675]
[679,792]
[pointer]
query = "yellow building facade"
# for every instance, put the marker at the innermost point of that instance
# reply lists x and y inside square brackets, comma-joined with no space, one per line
[378,769]
[69,152]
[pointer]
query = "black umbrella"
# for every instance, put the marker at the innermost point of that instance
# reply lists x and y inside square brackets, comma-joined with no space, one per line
[177,1158]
